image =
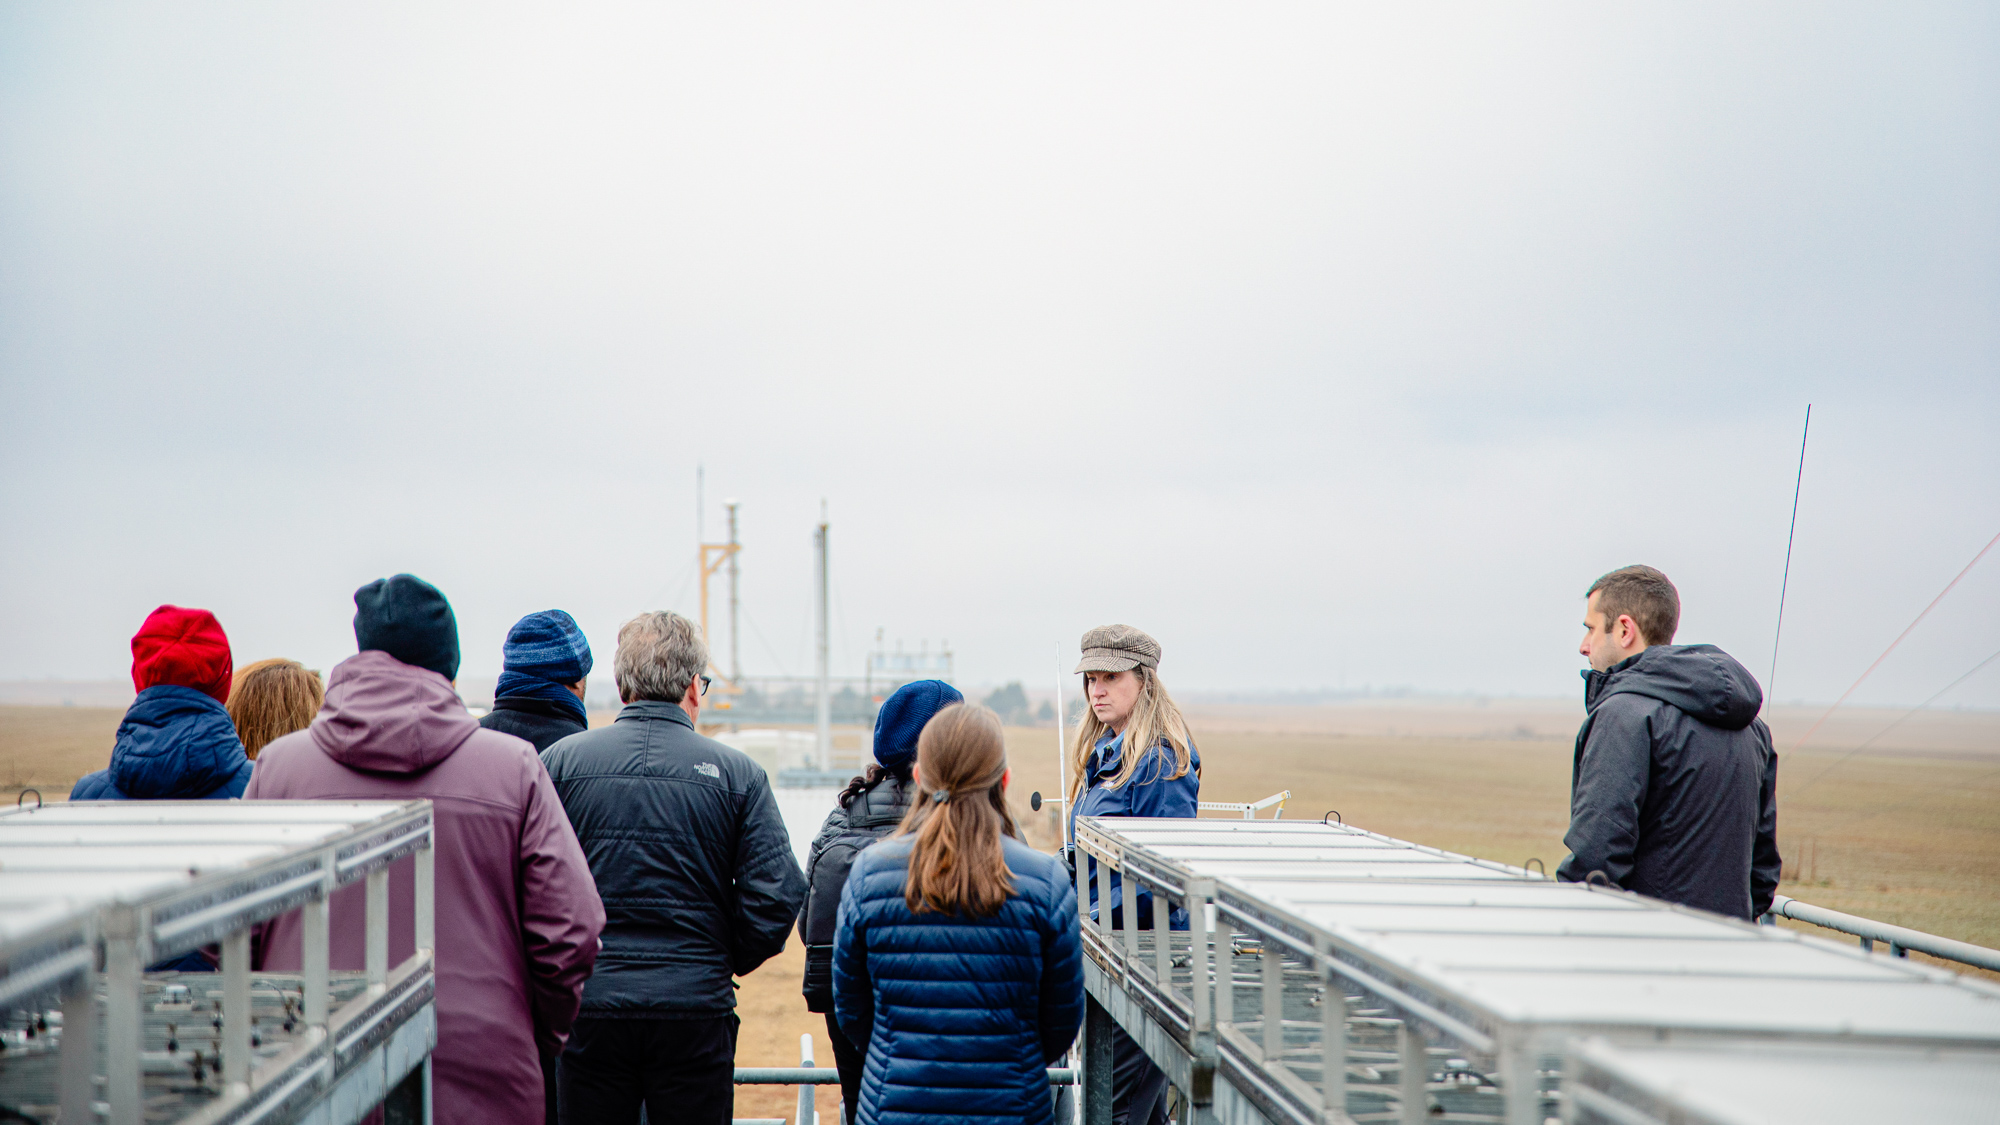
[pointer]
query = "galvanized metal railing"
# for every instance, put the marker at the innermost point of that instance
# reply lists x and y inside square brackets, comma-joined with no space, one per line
[1899,939]
[807,1075]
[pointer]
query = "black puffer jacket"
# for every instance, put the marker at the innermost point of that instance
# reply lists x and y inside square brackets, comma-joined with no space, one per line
[690,857]
[539,721]
[1674,787]
[872,814]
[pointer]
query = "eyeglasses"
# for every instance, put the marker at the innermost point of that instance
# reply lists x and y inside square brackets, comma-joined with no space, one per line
[705,681]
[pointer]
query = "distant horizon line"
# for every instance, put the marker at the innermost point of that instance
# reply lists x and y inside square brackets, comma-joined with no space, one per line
[104,693]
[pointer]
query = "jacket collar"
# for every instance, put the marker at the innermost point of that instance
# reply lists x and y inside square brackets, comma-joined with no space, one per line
[1109,752]
[641,709]
[1594,681]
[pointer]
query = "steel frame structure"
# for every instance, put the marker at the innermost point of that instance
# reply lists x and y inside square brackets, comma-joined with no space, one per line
[91,893]
[1406,983]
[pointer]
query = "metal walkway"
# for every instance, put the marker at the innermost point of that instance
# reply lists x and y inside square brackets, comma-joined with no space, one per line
[1331,974]
[91,893]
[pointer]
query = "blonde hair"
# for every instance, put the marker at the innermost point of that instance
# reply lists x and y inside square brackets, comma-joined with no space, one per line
[271,699]
[957,865]
[1154,719]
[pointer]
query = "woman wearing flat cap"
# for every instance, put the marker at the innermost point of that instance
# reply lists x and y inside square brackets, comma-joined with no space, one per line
[1129,707]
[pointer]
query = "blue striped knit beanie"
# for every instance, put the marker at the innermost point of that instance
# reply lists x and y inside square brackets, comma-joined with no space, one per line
[545,653]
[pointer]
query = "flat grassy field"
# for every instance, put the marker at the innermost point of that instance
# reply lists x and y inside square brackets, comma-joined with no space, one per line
[1907,830]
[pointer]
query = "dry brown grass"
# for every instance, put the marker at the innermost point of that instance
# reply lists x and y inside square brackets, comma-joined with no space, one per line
[1907,832]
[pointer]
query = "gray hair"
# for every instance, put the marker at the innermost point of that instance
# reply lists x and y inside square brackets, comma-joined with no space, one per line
[659,655]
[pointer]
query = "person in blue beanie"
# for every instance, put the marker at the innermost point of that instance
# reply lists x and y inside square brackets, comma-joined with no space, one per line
[544,665]
[871,807]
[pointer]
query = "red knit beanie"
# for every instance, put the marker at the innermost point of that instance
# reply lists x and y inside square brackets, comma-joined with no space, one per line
[184,647]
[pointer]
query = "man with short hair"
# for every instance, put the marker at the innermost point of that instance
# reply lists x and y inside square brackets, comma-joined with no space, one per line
[1673,793]
[699,885]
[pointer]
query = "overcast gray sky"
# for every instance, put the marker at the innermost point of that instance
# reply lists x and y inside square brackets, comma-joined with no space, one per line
[1329,345]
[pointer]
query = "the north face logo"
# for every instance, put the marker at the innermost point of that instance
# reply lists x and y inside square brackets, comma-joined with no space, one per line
[708,768]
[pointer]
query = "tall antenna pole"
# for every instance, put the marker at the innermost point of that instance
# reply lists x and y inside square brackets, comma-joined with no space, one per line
[735,646]
[1771,682]
[823,713]
[1062,752]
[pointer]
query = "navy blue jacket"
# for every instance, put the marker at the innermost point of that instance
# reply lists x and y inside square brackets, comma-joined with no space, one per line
[1150,791]
[176,744]
[690,856]
[1673,792]
[961,1016]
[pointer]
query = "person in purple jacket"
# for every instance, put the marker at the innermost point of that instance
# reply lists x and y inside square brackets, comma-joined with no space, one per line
[517,912]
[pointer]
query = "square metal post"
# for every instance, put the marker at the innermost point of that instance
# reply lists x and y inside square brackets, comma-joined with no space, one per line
[426,911]
[1274,1002]
[122,984]
[76,1069]
[1225,971]
[1332,1041]
[1097,1062]
[1129,896]
[1104,904]
[236,1009]
[377,941]
[1163,944]
[315,962]
[1415,1068]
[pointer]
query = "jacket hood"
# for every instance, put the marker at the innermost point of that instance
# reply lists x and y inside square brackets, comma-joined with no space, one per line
[1702,680]
[385,716]
[176,743]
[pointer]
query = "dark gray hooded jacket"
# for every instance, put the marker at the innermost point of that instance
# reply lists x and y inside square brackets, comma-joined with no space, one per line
[1674,789]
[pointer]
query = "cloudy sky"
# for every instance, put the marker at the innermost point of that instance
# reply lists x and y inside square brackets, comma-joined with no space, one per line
[1333,346]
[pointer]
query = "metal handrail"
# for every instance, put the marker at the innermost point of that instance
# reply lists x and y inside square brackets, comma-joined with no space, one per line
[1899,938]
[828,1076]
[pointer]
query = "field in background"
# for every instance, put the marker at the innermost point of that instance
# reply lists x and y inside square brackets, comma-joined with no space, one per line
[1907,830]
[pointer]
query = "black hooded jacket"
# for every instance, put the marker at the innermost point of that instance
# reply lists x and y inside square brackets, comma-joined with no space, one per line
[872,814]
[539,721]
[1674,789]
[691,859]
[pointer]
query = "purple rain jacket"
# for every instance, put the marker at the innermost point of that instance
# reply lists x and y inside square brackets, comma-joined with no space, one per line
[517,913]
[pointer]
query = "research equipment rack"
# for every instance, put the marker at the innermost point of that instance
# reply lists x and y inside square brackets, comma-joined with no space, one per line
[1410,984]
[91,893]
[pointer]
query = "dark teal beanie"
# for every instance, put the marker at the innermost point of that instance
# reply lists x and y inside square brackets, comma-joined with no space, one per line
[409,619]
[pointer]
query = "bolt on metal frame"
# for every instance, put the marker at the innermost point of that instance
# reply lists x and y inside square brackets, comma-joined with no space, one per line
[93,892]
[1330,974]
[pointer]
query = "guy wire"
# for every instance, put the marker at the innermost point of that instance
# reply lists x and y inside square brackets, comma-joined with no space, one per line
[1771,681]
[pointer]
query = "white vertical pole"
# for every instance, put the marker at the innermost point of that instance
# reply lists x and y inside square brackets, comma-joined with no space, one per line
[735,649]
[315,962]
[121,1018]
[1332,1040]
[807,1114]
[426,898]
[236,1009]
[1062,756]
[77,1068]
[1273,964]
[377,926]
[1415,1068]
[823,712]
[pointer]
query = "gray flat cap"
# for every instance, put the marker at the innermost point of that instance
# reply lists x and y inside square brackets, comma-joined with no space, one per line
[1118,648]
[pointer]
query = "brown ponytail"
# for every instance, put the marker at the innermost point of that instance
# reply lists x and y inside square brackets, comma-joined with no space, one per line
[956,864]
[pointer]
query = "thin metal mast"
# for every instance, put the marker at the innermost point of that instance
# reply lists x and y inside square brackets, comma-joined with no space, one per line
[823,711]
[735,645]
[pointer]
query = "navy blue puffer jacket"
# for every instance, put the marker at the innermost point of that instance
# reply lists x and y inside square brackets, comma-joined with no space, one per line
[962,1016]
[176,744]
